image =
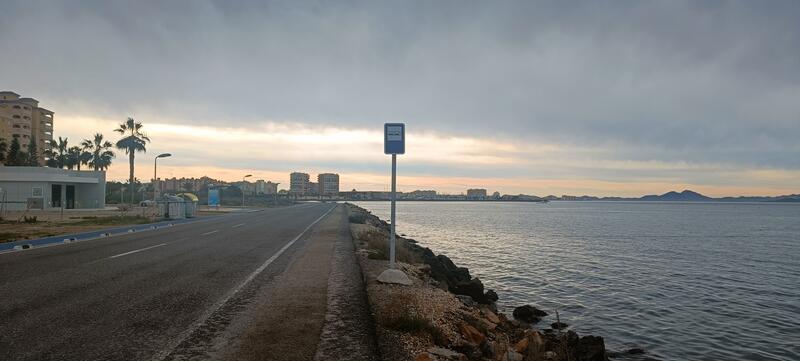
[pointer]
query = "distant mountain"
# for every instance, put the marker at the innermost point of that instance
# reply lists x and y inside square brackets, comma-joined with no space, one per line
[685,196]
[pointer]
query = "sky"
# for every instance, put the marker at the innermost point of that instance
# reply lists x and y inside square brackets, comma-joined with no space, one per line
[615,98]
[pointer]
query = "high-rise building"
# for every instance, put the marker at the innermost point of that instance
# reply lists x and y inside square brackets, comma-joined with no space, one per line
[298,183]
[328,184]
[22,118]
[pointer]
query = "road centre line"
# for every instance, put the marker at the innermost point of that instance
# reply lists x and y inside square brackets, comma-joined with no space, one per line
[216,306]
[238,225]
[138,250]
[212,232]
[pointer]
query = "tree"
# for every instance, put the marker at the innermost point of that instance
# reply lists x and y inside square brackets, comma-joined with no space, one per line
[133,141]
[3,149]
[188,186]
[72,158]
[100,151]
[62,148]
[15,156]
[33,153]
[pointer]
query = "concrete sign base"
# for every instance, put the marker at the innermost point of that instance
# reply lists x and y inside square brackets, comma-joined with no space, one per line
[394,276]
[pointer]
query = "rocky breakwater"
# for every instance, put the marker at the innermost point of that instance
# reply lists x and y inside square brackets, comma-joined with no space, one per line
[446,314]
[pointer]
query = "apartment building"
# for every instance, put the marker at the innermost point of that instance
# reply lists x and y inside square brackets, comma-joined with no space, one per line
[476,193]
[266,187]
[298,183]
[328,184]
[22,118]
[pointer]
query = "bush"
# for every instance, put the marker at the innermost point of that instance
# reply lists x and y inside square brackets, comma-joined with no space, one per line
[358,217]
[31,219]
[410,324]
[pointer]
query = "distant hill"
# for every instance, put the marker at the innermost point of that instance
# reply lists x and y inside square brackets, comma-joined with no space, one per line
[685,196]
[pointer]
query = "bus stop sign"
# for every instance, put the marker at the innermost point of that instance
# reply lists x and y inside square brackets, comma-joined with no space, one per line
[394,138]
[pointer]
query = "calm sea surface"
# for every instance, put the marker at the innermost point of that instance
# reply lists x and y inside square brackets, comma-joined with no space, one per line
[684,281]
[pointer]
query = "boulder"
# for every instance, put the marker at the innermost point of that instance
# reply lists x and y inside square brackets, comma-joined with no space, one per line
[592,348]
[559,325]
[529,314]
[536,346]
[491,295]
[491,316]
[472,288]
[467,300]
[471,334]
[522,345]
[586,348]
[424,357]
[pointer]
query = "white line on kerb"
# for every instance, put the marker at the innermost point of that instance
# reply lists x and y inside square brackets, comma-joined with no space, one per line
[238,225]
[138,250]
[203,319]
[212,232]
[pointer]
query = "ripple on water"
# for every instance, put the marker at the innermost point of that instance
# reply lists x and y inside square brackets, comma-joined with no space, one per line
[704,281]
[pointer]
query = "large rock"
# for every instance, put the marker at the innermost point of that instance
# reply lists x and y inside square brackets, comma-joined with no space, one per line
[491,295]
[471,334]
[528,313]
[586,348]
[472,288]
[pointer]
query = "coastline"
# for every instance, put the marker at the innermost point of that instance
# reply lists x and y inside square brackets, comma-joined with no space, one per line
[446,314]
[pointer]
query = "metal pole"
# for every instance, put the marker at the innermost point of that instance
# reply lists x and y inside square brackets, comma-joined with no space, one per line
[393,198]
[155,171]
[243,191]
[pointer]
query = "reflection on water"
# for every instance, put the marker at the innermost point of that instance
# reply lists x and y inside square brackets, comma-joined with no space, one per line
[684,281]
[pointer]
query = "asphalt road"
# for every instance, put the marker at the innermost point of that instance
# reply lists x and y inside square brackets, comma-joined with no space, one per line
[139,296]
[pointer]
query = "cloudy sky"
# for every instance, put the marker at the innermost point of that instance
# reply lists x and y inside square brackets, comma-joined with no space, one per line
[595,97]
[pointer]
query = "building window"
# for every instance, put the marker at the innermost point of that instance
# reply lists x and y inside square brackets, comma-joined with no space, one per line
[16,116]
[37,192]
[16,107]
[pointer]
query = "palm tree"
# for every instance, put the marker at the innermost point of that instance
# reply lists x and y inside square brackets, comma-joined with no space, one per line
[62,148]
[73,158]
[100,151]
[133,141]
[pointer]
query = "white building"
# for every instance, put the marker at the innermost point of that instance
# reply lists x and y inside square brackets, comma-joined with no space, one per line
[24,188]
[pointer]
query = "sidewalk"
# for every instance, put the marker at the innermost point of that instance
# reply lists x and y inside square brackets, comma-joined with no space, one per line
[317,308]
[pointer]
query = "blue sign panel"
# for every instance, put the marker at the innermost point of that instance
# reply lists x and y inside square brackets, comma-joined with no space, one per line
[213,197]
[394,138]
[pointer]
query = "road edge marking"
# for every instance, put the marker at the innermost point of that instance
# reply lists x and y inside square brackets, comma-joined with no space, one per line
[137,250]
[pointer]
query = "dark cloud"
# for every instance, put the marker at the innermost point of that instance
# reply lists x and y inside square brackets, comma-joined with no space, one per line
[698,81]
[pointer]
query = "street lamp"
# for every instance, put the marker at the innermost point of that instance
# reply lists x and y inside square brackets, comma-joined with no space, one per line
[249,175]
[155,171]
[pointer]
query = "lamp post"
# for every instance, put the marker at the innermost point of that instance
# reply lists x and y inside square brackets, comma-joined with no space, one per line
[243,178]
[155,171]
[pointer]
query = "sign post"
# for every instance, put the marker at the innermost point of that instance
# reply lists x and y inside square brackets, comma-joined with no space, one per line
[394,143]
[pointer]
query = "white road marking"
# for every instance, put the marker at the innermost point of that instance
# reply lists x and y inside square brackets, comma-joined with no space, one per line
[203,319]
[238,225]
[212,232]
[138,250]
